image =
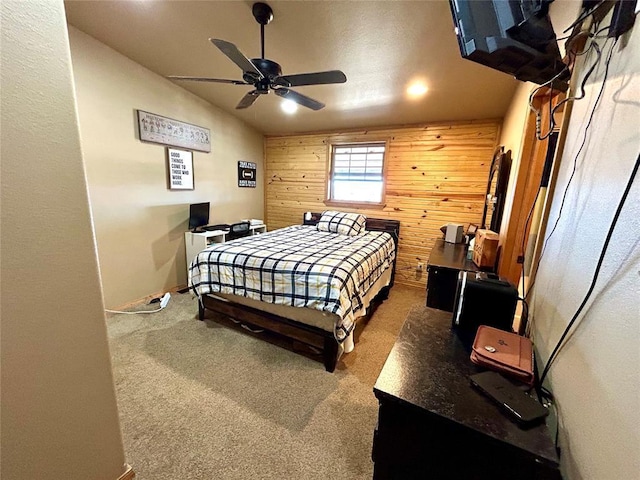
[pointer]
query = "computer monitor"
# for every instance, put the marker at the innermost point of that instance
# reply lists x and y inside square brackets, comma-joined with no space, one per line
[198,215]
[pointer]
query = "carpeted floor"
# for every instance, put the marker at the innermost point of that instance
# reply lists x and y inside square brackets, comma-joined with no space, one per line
[201,401]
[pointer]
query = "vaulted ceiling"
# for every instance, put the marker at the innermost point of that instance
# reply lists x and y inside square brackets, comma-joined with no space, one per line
[381,46]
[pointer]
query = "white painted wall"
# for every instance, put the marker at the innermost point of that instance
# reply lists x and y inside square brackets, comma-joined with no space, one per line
[59,415]
[139,223]
[596,378]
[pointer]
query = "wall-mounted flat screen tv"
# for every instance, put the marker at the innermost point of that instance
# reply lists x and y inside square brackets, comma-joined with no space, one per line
[513,36]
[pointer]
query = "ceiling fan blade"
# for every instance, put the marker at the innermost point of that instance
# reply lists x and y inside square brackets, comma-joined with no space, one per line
[248,100]
[207,79]
[318,78]
[231,51]
[299,98]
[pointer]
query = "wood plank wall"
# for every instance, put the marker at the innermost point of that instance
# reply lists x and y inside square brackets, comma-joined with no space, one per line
[435,174]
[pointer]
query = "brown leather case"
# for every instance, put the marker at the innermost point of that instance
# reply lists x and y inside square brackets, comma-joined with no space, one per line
[504,352]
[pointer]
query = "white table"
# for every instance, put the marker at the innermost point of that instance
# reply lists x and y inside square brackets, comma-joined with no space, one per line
[195,242]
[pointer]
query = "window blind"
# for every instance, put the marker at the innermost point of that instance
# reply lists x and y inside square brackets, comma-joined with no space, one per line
[358,163]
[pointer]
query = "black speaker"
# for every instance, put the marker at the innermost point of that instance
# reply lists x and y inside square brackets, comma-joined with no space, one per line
[483,299]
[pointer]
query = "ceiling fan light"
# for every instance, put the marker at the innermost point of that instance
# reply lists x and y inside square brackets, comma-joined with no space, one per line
[417,90]
[289,106]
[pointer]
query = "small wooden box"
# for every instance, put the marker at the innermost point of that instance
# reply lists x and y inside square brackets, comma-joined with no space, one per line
[485,248]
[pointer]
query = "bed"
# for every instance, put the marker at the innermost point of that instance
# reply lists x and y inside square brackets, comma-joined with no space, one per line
[303,283]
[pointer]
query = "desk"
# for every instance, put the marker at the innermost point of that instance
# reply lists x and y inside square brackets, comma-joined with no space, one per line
[195,242]
[433,424]
[445,262]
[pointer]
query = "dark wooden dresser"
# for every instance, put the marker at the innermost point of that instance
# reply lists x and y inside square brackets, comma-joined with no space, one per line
[433,424]
[445,262]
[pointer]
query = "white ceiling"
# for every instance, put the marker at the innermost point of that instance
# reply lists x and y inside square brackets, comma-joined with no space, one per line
[381,47]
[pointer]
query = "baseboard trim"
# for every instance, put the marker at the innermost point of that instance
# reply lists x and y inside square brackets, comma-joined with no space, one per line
[148,298]
[128,474]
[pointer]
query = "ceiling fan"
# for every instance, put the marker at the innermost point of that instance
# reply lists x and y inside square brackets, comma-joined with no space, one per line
[266,74]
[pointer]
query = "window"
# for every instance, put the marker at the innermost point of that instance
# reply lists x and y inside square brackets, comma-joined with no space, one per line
[356,174]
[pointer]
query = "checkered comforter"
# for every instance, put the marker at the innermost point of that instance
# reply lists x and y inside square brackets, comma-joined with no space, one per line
[297,266]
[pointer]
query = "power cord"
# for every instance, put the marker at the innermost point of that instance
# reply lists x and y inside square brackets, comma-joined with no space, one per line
[571,53]
[552,112]
[560,342]
[575,162]
[583,16]
[524,318]
[163,303]
[134,313]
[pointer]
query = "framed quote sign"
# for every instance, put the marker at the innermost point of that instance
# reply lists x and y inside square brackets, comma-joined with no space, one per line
[167,131]
[180,169]
[246,174]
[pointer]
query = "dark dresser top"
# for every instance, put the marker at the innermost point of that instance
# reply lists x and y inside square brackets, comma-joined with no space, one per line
[450,255]
[429,368]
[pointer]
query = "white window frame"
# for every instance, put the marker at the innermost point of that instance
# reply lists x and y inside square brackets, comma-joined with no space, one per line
[330,193]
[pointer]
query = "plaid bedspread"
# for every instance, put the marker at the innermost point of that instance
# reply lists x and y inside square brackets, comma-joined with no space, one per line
[297,266]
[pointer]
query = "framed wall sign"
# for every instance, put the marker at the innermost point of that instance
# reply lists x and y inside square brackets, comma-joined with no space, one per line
[246,174]
[180,169]
[167,131]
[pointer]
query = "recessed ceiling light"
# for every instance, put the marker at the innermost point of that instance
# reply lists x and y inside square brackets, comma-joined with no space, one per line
[417,89]
[289,106]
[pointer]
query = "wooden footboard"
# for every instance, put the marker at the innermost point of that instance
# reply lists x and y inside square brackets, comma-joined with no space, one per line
[314,337]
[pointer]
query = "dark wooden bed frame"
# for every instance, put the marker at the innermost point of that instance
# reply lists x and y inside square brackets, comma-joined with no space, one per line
[314,337]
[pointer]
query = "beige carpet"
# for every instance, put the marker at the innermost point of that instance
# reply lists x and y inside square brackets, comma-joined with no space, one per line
[201,401]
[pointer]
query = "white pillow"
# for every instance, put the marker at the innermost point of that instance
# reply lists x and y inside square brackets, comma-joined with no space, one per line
[343,223]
